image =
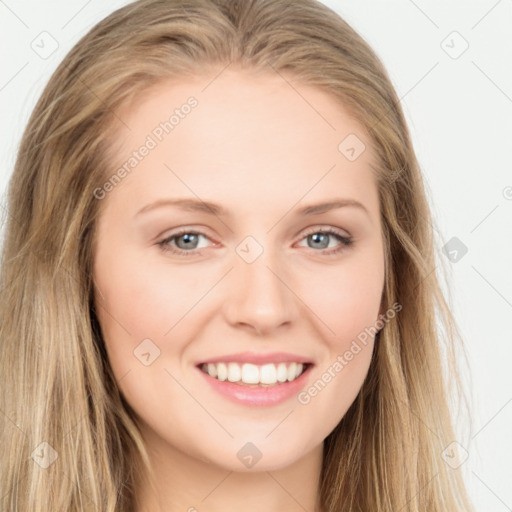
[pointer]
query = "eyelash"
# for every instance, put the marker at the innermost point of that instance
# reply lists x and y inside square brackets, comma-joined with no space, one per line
[345,242]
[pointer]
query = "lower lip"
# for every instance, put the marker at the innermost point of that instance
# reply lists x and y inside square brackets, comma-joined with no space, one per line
[258,396]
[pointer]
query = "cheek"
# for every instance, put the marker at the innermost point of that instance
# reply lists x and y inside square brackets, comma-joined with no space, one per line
[131,307]
[137,307]
[347,300]
[350,309]
[349,305]
[145,299]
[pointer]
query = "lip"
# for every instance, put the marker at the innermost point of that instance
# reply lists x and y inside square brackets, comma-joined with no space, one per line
[259,359]
[257,396]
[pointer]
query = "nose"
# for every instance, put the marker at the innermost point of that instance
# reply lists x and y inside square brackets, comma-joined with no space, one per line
[260,298]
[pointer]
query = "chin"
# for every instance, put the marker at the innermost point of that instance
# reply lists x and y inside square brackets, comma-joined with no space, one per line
[265,455]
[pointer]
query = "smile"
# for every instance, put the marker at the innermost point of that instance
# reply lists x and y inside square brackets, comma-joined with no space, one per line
[248,374]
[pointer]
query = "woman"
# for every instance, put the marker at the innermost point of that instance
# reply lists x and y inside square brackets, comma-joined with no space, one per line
[258,370]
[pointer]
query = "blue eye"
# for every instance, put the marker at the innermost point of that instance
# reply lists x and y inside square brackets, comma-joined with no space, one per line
[185,242]
[320,239]
[185,238]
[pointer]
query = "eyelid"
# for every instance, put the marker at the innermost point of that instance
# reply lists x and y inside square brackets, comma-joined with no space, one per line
[326,227]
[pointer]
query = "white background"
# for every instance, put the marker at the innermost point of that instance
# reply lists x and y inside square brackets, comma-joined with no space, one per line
[459,112]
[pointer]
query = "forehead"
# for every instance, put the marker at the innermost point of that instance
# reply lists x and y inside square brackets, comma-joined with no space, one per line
[261,137]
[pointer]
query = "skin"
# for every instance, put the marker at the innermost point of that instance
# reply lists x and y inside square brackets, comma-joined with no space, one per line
[262,150]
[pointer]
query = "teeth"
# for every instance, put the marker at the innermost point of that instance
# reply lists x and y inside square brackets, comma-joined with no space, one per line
[212,370]
[234,372]
[250,374]
[282,372]
[247,373]
[268,374]
[222,371]
[292,370]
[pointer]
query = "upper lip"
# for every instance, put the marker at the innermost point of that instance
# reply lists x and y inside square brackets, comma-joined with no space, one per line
[259,359]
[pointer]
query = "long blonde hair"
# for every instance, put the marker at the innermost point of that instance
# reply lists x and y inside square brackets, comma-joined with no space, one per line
[68,438]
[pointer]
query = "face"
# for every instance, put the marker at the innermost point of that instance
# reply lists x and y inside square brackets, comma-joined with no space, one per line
[211,258]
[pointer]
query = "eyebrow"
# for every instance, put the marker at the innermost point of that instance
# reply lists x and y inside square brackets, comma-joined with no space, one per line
[194,205]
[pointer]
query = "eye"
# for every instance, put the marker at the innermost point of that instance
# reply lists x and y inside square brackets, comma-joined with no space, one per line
[320,239]
[186,242]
